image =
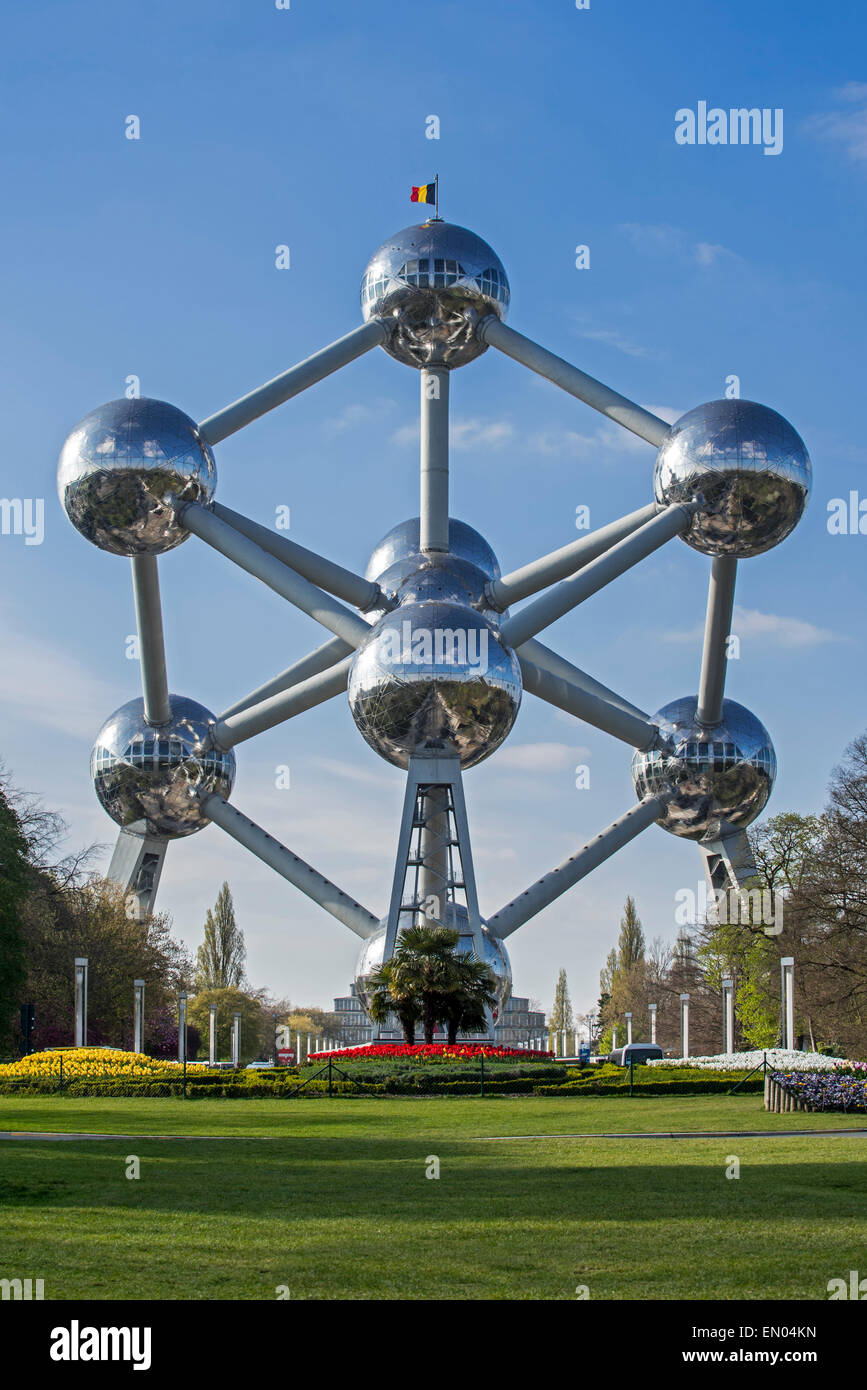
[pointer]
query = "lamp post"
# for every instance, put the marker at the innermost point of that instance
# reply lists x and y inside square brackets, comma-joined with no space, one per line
[81,1001]
[652,1008]
[728,1004]
[212,1034]
[182,1027]
[236,1039]
[628,1028]
[138,1016]
[684,1025]
[787,982]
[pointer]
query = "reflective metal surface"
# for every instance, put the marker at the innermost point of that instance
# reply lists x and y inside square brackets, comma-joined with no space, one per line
[496,956]
[118,465]
[751,467]
[434,676]
[435,282]
[721,778]
[147,777]
[402,542]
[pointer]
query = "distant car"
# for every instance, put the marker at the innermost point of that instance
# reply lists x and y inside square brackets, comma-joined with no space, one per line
[635,1052]
[257,1066]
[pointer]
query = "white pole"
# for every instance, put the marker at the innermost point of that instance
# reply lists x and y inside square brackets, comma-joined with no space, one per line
[212,1034]
[81,1001]
[787,967]
[182,1027]
[652,1008]
[728,987]
[684,1024]
[613,1039]
[236,1039]
[138,1016]
[298,1049]
[628,1029]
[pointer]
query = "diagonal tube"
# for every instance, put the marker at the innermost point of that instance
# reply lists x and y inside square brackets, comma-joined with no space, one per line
[151,643]
[546,890]
[556,665]
[256,561]
[311,665]
[353,588]
[594,393]
[236,728]
[570,592]
[290,383]
[612,719]
[293,869]
[529,579]
[717,627]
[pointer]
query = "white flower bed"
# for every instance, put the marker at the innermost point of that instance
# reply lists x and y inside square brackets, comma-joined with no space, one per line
[778,1057]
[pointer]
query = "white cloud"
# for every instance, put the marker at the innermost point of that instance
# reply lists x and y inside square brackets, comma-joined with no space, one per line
[770,627]
[358,415]
[607,440]
[540,757]
[845,126]
[665,239]
[464,434]
[611,338]
[42,684]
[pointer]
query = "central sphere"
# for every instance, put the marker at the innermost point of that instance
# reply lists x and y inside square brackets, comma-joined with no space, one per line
[435,282]
[434,674]
[146,776]
[496,957]
[719,779]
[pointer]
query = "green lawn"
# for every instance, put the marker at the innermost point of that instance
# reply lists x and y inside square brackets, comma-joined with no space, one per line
[335,1204]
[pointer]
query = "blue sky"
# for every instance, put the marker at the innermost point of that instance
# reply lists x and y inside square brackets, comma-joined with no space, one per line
[306,127]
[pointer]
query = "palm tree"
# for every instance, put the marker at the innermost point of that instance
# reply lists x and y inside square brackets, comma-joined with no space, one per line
[464,1009]
[388,992]
[428,965]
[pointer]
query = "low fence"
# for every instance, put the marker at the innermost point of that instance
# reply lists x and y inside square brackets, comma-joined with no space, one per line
[779,1099]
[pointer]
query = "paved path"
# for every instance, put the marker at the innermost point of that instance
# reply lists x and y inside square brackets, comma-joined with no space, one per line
[458,1138]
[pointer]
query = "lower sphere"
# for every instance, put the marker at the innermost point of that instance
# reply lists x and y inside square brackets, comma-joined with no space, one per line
[147,777]
[719,779]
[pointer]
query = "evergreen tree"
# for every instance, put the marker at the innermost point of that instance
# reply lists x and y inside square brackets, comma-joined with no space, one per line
[561,1013]
[14,880]
[220,958]
[630,947]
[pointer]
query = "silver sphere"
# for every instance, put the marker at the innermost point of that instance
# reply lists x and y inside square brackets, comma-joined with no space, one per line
[118,465]
[403,543]
[435,281]
[750,466]
[496,957]
[721,778]
[147,776]
[434,676]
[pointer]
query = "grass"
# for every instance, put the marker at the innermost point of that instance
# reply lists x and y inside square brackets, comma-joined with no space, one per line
[336,1205]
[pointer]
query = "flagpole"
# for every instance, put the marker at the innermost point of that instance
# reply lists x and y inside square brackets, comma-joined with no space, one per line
[437,192]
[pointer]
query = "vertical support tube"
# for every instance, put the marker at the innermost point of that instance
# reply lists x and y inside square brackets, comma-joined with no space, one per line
[138,1016]
[628,1029]
[434,458]
[652,1008]
[212,1034]
[718,623]
[236,1039]
[684,1025]
[434,870]
[81,1001]
[151,643]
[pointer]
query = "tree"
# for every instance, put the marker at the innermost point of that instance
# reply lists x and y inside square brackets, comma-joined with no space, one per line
[630,947]
[221,956]
[256,1036]
[14,884]
[561,1012]
[473,993]
[389,991]
[427,981]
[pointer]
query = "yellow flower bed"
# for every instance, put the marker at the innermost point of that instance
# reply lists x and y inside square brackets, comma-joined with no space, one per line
[88,1061]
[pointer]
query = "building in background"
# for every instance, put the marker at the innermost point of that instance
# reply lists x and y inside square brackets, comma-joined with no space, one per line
[518,1025]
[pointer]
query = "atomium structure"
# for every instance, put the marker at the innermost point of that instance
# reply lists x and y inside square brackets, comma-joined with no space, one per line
[429,644]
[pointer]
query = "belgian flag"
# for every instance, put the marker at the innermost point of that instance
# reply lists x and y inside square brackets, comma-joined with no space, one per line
[427,193]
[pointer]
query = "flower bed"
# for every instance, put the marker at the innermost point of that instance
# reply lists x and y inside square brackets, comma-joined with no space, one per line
[837,1090]
[431,1052]
[87,1061]
[778,1057]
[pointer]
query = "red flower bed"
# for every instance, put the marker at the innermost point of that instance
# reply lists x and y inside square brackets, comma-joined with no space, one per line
[434,1052]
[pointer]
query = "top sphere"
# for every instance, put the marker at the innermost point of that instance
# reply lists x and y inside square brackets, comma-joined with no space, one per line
[118,465]
[751,467]
[435,281]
